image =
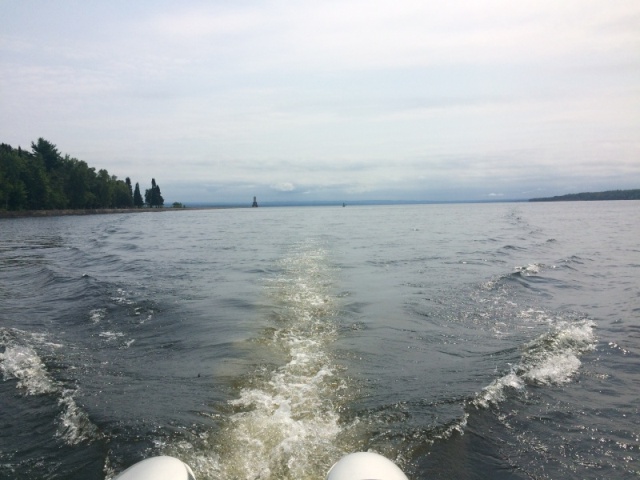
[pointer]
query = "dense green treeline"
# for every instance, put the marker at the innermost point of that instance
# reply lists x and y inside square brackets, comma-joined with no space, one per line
[43,179]
[608,195]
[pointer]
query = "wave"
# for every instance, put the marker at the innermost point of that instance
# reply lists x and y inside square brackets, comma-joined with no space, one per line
[74,425]
[519,274]
[551,359]
[528,270]
[20,361]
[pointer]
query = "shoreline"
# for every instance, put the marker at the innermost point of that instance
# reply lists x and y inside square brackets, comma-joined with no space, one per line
[93,211]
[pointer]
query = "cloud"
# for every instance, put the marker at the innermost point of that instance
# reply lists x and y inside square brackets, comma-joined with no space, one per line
[284,187]
[360,97]
[357,34]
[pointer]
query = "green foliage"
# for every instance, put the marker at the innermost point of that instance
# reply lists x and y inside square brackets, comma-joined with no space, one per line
[152,196]
[13,191]
[43,179]
[137,197]
[47,152]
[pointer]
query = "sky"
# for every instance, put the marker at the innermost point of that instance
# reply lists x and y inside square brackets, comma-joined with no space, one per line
[331,100]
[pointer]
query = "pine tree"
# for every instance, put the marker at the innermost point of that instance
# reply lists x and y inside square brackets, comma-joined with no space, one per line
[128,182]
[152,196]
[137,198]
[157,197]
[48,152]
[148,200]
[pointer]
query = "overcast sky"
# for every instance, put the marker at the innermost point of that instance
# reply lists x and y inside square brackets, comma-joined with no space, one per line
[331,100]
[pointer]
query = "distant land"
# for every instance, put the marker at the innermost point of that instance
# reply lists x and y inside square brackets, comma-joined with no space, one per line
[591,196]
[339,203]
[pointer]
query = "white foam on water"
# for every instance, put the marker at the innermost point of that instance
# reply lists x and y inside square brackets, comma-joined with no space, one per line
[457,426]
[43,339]
[495,392]
[122,297]
[97,315]
[553,370]
[108,469]
[74,425]
[20,361]
[110,336]
[528,270]
[288,422]
[551,359]
[285,423]
[530,314]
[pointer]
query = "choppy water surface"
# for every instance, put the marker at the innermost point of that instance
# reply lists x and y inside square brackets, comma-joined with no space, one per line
[461,341]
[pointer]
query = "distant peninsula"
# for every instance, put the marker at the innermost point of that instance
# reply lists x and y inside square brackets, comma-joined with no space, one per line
[592,196]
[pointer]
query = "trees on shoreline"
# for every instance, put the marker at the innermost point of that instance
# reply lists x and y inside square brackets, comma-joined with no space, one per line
[152,196]
[43,179]
[586,196]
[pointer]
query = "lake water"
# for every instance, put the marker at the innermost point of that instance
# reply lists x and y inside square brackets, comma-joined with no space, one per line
[497,341]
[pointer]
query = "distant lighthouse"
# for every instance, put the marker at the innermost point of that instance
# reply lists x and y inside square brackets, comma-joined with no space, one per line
[255,202]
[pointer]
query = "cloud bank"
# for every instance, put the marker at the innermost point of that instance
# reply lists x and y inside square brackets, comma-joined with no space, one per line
[405,100]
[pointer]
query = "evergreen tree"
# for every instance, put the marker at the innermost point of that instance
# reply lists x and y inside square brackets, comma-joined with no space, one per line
[152,196]
[121,195]
[78,184]
[43,179]
[48,152]
[34,175]
[157,197]
[147,197]
[13,191]
[128,182]
[137,197]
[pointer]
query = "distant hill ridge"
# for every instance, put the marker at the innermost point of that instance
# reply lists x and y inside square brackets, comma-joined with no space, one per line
[590,196]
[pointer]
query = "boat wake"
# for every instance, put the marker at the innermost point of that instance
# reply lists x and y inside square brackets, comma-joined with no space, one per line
[285,423]
[551,359]
[21,363]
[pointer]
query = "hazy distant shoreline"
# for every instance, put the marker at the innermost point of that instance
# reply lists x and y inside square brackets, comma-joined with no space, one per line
[586,196]
[203,206]
[593,196]
[93,211]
